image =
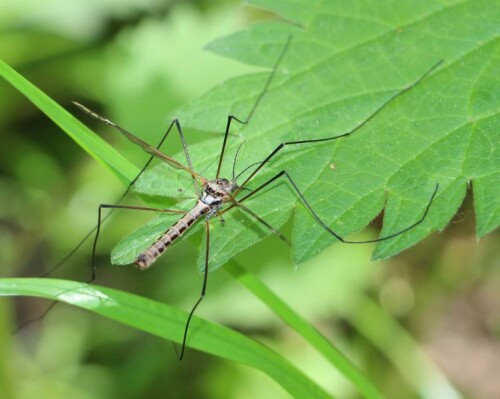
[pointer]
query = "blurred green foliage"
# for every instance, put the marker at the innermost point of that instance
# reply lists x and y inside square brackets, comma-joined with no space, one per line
[136,61]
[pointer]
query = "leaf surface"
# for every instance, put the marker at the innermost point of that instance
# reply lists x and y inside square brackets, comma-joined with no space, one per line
[344,62]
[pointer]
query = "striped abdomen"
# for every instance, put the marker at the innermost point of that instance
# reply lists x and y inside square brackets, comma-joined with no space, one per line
[149,256]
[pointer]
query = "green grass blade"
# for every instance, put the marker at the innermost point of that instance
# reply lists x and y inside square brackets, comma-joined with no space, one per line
[167,322]
[305,329]
[7,386]
[84,137]
[394,342]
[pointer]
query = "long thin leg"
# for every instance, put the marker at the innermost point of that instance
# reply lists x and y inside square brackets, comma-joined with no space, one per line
[252,111]
[188,158]
[296,142]
[226,133]
[260,220]
[100,220]
[86,237]
[203,291]
[271,77]
[112,207]
[40,317]
[348,133]
[322,223]
[120,199]
[175,122]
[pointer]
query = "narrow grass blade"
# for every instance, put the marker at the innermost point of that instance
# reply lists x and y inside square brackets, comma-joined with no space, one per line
[167,322]
[84,137]
[386,334]
[305,329]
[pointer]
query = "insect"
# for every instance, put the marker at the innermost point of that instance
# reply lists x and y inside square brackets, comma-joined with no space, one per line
[219,195]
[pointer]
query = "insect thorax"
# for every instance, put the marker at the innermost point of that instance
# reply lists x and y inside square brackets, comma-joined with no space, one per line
[216,192]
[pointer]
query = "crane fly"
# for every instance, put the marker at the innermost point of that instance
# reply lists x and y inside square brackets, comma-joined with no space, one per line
[219,195]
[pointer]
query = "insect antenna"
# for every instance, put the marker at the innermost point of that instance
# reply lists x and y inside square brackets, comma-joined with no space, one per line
[245,170]
[235,159]
[234,167]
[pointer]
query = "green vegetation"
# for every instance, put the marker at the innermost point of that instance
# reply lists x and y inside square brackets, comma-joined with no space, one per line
[343,62]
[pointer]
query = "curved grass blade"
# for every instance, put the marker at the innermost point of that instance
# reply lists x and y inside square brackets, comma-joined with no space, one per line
[83,136]
[305,329]
[400,348]
[167,322]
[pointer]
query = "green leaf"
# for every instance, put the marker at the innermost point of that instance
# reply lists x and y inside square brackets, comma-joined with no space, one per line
[345,62]
[349,59]
[168,323]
